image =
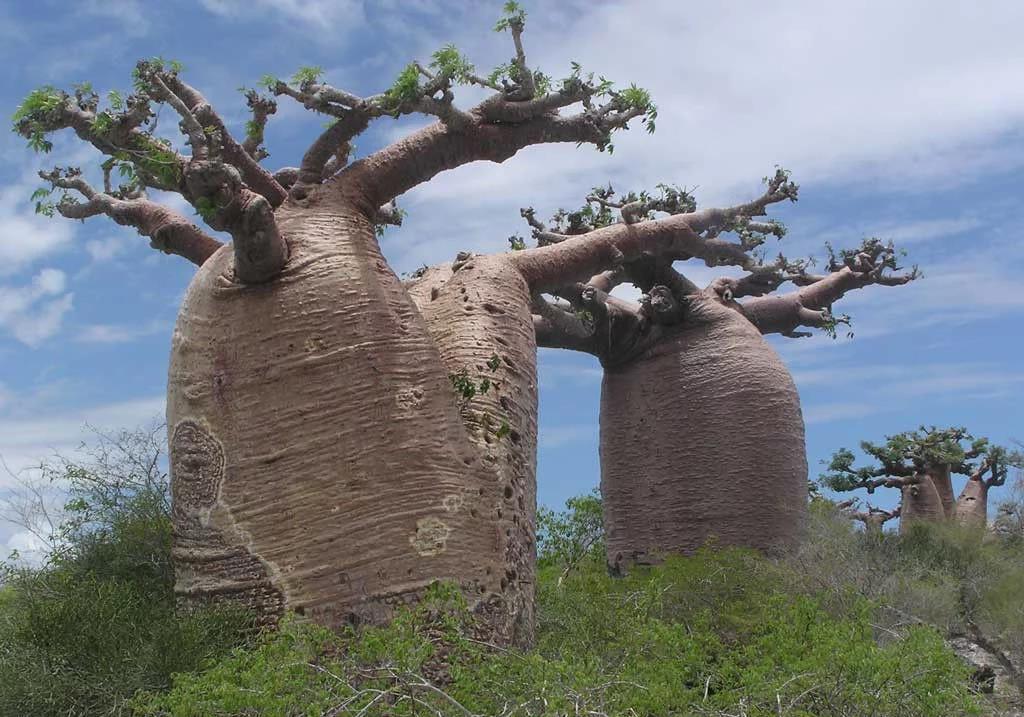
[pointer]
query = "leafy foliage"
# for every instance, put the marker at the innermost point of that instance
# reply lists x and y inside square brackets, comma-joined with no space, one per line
[714,634]
[96,622]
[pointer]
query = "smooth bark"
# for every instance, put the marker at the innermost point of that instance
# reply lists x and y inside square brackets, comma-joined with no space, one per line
[319,459]
[702,440]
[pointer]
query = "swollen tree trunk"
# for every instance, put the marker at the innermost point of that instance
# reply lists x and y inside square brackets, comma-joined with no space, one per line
[920,502]
[972,505]
[319,460]
[479,318]
[941,477]
[702,439]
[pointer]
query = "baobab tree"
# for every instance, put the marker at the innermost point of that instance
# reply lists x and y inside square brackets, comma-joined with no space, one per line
[701,429]
[873,519]
[920,464]
[321,459]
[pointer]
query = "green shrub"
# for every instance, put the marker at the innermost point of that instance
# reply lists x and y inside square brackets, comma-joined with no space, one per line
[712,634]
[96,622]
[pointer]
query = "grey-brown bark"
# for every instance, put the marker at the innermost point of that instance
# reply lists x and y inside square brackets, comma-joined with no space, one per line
[322,459]
[701,439]
[701,431]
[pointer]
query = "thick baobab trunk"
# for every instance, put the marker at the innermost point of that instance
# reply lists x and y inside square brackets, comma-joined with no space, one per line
[972,506]
[702,439]
[319,461]
[920,502]
[479,318]
[941,477]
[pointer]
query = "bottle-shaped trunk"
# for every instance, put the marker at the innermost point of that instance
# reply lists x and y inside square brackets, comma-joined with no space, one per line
[920,502]
[972,506]
[702,439]
[941,476]
[319,461]
[479,318]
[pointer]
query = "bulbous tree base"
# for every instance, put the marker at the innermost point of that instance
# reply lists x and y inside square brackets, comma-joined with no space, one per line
[702,442]
[319,460]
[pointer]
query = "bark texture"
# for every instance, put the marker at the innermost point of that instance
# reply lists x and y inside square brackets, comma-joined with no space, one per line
[972,505]
[479,318]
[702,439]
[920,502]
[319,460]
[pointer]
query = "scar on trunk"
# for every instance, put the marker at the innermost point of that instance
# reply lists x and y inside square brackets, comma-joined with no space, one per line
[197,464]
[431,536]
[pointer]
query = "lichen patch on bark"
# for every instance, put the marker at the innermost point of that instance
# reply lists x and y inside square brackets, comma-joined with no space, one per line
[431,536]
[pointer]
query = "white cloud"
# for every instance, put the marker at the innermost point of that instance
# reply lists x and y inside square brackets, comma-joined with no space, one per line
[101,250]
[27,439]
[334,15]
[26,237]
[117,334]
[889,387]
[858,95]
[34,312]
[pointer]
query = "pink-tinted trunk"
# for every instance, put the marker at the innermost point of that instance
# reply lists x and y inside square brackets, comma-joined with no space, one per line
[319,460]
[921,502]
[972,506]
[941,476]
[480,320]
[702,439]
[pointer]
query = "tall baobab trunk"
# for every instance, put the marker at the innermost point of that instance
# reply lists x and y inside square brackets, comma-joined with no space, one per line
[479,318]
[972,505]
[941,476]
[920,502]
[318,452]
[702,439]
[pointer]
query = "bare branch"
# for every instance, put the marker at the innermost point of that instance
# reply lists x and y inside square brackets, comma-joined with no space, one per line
[168,231]
[261,108]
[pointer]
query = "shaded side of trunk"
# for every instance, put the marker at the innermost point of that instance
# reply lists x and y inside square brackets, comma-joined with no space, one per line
[920,502]
[480,320]
[319,461]
[972,505]
[941,476]
[702,439]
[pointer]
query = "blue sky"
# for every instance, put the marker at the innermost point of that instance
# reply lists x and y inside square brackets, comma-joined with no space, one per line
[902,121]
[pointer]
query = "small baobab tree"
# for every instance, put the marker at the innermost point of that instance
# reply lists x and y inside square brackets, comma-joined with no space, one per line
[873,519]
[921,464]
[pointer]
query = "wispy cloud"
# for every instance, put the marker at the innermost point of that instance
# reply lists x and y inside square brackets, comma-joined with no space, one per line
[25,440]
[330,15]
[34,312]
[118,333]
[888,387]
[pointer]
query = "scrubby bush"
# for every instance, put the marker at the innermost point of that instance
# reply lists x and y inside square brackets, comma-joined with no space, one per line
[95,622]
[720,633]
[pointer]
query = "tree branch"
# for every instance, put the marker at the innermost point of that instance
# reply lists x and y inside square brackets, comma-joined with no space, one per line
[168,231]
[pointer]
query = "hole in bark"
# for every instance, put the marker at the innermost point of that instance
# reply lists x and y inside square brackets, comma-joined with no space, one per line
[500,514]
[514,435]
[472,512]
[505,404]
[300,610]
[522,504]
[481,491]
[501,341]
[508,492]
[504,584]
[465,298]
[462,290]
[492,309]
